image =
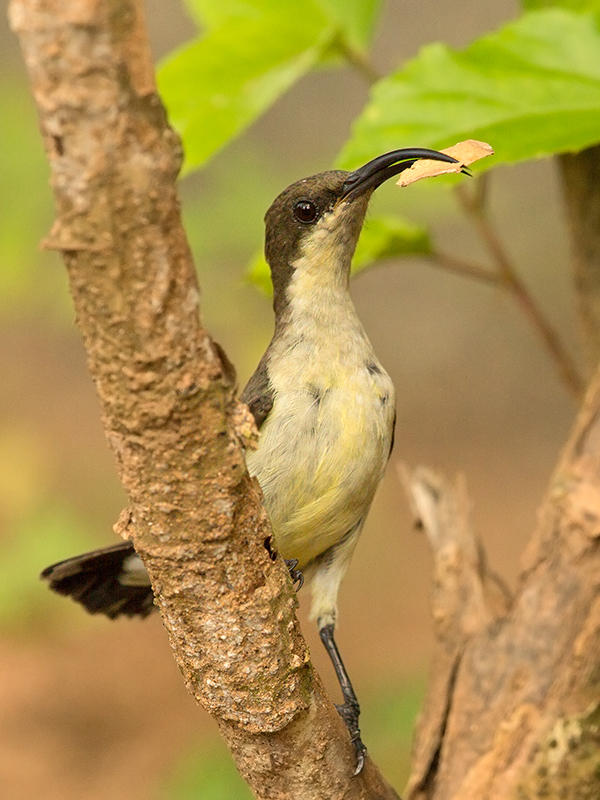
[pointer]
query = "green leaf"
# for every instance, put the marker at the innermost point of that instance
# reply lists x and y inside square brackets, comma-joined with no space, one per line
[573,5]
[389,237]
[217,13]
[259,274]
[217,85]
[354,18]
[253,51]
[531,89]
[381,237]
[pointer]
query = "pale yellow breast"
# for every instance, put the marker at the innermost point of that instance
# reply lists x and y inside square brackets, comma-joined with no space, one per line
[325,444]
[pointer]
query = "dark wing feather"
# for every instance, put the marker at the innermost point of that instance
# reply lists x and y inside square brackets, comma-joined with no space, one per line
[393,435]
[259,394]
[94,580]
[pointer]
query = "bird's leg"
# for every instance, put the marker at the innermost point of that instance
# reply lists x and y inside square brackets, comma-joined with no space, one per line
[295,574]
[350,709]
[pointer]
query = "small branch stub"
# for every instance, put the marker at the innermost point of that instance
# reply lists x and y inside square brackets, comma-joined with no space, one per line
[466,598]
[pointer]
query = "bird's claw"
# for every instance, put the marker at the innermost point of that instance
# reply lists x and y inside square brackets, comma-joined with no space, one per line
[349,712]
[361,752]
[295,574]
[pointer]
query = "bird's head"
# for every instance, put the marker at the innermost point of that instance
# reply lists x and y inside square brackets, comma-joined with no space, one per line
[312,227]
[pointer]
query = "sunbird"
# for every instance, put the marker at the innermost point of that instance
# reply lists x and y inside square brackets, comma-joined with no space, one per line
[323,404]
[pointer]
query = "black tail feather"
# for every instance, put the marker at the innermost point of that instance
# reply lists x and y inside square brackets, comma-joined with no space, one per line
[97,581]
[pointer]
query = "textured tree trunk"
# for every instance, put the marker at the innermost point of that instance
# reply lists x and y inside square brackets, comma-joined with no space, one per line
[168,402]
[513,709]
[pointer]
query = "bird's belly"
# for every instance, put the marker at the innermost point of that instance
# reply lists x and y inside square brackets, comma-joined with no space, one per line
[321,455]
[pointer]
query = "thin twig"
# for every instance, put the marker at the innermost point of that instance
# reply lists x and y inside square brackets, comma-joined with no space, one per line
[464,268]
[357,59]
[474,206]
[481,186]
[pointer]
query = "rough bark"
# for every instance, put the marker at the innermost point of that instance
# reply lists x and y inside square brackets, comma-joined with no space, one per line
[168,402]
[513,711]
[581,188]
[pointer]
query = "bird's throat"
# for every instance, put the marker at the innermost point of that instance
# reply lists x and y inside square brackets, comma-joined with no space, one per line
[319,274]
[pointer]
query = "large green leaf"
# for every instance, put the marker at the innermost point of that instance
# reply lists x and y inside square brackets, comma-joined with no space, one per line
[217,85]
[354,18]
[217,13]
[252,52]
[573,5]
[389,237]
[530,89]
[381,237]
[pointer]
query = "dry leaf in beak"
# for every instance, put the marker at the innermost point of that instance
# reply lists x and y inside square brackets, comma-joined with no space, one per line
[464,152]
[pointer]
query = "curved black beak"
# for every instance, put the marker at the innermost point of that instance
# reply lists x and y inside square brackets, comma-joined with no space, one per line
[375,172]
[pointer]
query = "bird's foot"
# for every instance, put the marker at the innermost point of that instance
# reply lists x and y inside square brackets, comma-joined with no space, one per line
[295,574]
[349,712]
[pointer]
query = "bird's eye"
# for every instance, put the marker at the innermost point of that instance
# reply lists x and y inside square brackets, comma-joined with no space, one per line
[305,211]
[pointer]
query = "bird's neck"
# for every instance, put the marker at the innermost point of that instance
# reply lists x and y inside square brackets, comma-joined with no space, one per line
[317,285]
[317,303]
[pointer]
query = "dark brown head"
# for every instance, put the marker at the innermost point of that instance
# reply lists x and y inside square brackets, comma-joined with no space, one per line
[314,224]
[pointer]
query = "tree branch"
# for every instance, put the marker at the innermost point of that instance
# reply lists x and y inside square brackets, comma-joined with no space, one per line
[466,598]
[168,402]
[357,59]
[475,208]
[467,269]
[581,188]
[514,697]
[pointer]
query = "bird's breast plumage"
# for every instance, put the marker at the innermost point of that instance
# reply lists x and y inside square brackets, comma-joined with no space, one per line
[324,446]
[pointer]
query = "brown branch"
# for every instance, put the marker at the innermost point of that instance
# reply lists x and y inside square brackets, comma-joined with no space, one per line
[466,598]
[466,269]
[168,402]
[357,59]
[466,595]
[475,208]
[514,697]
[581,188]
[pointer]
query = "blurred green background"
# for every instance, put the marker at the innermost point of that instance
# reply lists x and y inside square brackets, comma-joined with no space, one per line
[476,393]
